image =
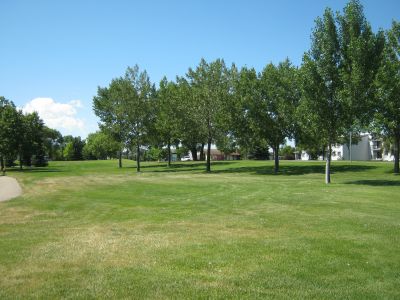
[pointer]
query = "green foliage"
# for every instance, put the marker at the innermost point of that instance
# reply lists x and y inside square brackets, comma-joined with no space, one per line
[100,145]
[74,149]
[338,74]
[287,152]
[209,85]
[387,117]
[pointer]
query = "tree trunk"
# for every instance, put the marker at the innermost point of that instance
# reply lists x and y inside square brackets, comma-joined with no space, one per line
[202,156]
[169,153]
[120,158]
[276,158]
[20,160]
[194,153]
[2,165]
[138,158]
[396,153]
[209,155]
[328,165]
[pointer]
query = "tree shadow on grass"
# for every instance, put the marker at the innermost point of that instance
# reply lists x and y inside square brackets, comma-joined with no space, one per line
[180,167]
[268,169]
[293,169]
[375,182]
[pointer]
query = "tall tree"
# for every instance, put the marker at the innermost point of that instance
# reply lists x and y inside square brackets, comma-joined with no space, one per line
[139,108]
[210,86]
[338,73]
[110,106]
[280,95]
[8,131]
[388,82]
[191,131]
[167,114]
[100,145]
[74,149]
[245,91]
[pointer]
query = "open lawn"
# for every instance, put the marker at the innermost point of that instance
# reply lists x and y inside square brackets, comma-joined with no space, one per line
[91,230]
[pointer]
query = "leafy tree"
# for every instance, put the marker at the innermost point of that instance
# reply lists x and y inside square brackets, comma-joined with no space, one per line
[210,87]
[387,117]
[287,152]
[191,131]
[245,94]
[52,143]
[74,149]
[100,145]
[110,106]
[280,95]
[139,108]
[32,146]
[337,75]
[166,124]
[8,131]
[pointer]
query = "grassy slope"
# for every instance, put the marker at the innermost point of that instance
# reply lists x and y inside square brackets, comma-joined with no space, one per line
[90,230]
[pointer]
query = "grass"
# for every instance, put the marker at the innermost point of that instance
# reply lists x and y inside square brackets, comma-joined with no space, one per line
[91,230]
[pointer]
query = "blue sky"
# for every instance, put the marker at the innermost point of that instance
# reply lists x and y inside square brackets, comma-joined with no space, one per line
[59,52]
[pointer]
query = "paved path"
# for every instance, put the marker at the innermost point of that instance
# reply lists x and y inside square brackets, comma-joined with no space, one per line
[9,188]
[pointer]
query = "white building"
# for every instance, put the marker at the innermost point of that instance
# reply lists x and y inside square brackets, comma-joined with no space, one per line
[368,148]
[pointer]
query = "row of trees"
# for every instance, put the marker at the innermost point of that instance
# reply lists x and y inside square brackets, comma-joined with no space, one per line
[349,79]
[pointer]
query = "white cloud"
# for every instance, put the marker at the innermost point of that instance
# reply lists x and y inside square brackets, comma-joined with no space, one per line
[60,116]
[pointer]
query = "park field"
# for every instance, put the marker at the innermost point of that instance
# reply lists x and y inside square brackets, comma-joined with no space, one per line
[90,230]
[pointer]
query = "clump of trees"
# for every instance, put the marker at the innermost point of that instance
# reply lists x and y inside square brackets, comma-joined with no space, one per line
[22,136]
[348,82]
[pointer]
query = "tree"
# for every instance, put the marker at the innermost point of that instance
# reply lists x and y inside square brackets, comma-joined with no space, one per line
[337,75]
[9,124]
[210,87]
[52,143]
[280,94]
[109,105]
[287,152]
[387,117]
[100,145]
[74,149]
[166,124]
[245,94]
[191,132]
[139,108]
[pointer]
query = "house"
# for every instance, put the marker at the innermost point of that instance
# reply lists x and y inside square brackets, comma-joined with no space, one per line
[368,148]
[216,154]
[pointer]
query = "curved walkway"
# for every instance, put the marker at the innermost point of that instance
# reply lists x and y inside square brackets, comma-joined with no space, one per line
[9,188]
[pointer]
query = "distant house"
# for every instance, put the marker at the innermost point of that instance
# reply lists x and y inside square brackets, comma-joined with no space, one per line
[368,148]
[216,154]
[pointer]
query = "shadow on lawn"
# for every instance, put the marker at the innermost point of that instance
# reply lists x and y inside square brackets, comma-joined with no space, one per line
[287,170]
[182,167]
[376,182]
[293,169]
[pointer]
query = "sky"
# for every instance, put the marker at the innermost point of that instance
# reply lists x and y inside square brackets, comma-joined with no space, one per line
[55,54]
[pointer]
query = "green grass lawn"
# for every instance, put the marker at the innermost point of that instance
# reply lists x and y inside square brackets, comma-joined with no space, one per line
[91,230]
